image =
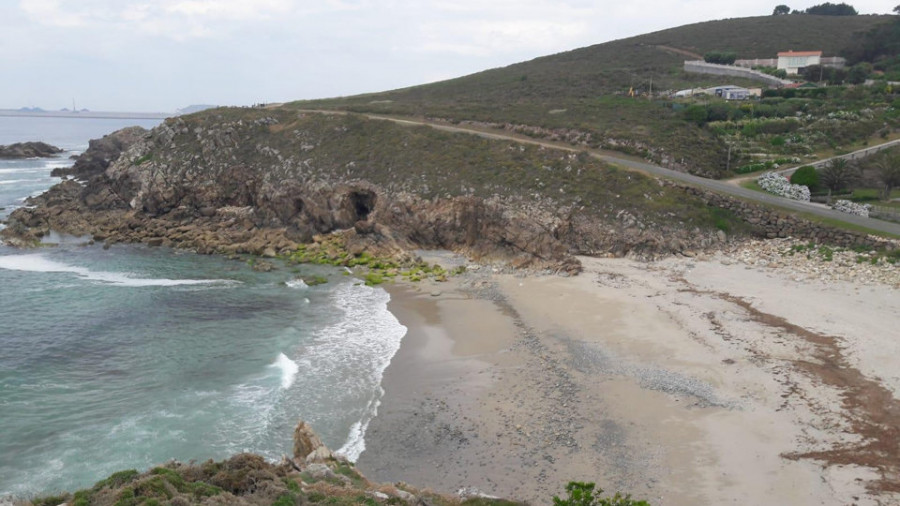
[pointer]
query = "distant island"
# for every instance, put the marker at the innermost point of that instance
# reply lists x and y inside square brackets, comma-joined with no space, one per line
[84,113]
[195,108]
[28,150]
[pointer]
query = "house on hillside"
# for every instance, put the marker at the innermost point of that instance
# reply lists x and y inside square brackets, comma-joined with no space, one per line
[793,62]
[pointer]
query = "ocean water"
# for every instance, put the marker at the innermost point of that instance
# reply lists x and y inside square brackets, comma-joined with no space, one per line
[132,356]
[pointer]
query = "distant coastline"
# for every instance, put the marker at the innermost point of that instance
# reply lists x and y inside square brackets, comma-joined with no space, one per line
[86,114]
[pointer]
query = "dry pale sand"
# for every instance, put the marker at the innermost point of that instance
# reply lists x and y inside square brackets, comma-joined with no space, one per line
[682,382]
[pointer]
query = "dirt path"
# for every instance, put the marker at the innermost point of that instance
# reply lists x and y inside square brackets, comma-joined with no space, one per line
[724,187]
[684,52]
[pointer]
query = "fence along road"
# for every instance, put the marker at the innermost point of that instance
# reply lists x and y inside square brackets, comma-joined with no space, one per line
[710,184]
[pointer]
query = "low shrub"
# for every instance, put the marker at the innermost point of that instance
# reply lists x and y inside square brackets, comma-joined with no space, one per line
[806,176]
[582,494]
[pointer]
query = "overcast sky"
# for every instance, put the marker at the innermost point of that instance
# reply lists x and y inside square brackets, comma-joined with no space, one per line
[160,55]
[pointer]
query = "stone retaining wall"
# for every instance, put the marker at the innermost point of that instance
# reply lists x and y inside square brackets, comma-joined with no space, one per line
[701,67]
[770,223]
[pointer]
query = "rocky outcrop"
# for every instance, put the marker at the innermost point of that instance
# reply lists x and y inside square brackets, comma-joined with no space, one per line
[308,448]
[28,150]
[101,153]
[249,480]
[262,182]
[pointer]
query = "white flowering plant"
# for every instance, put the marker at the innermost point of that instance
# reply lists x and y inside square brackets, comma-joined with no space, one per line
[779,185]
[845,206]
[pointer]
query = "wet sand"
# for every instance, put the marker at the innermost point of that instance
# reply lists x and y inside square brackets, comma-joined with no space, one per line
[681,382]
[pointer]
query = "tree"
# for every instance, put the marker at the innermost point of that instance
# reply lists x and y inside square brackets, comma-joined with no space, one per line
[837,175]
[897,9]
[781,10]
[859,73]
[806,176]
[830,9]
[887,169]
[720,57]
[819,73]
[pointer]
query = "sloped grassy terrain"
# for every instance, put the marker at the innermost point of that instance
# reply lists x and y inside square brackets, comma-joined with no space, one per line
[432,163]
[586,89]
[247,479]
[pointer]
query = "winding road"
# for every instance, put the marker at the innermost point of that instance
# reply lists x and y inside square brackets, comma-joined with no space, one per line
[723,187]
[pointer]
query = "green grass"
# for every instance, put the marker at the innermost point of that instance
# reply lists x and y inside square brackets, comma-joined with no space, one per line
[873,196]
[143,159]
[751,184]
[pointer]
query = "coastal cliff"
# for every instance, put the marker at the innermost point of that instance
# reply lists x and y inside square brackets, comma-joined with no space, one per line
[264,181]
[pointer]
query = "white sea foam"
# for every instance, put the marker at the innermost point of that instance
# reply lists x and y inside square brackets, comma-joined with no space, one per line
[25,170]
[356,439]
[296,283]
[18,181]
[58,164]
[38,263]
[351,355]
[288,368]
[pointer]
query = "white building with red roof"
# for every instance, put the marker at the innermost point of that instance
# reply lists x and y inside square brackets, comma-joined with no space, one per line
[793,61]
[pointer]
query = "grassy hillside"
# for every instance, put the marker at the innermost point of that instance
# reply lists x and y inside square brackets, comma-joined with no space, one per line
[593,71]
[585,89]
[765,36]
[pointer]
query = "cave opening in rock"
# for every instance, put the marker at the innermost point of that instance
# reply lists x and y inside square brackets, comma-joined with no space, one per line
[363,203]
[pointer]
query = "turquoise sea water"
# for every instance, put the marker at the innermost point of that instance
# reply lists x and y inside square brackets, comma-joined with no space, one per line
[132,356]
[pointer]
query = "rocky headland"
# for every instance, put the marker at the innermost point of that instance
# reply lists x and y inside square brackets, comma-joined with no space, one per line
[101,153]
[28,150]
[263,182]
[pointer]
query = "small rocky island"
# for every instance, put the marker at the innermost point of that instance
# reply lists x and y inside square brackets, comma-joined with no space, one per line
[28,150]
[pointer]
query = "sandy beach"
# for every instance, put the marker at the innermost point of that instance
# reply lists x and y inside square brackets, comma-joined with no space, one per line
[709,380]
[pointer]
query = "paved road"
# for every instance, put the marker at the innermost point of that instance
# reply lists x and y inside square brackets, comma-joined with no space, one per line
[858,154]
[711,184]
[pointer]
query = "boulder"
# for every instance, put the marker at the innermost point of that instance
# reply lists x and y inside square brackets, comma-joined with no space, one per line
[308,447]
[320,471]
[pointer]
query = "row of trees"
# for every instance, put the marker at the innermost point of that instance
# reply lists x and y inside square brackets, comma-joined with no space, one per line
[879,46]
[857,74]
[840,174]
[720,57]
[825,9]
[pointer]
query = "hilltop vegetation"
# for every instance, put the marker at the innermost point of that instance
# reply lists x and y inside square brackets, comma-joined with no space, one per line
[879,46]
[587,90]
